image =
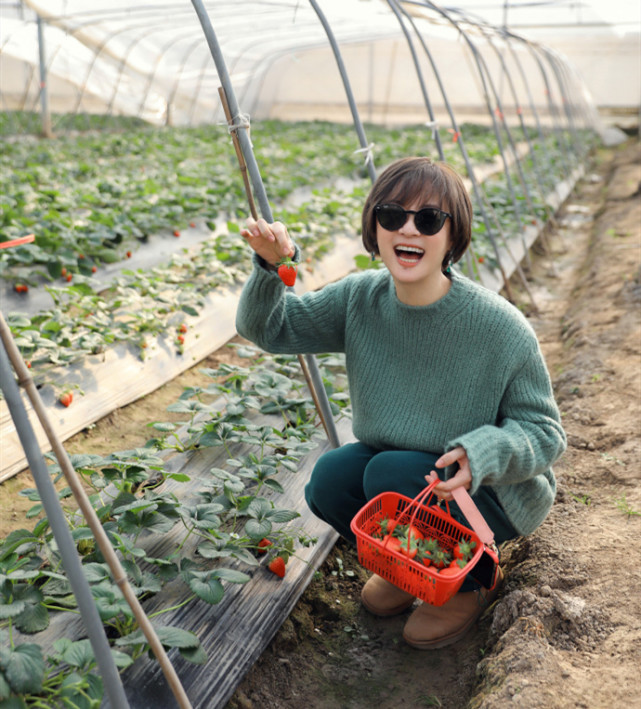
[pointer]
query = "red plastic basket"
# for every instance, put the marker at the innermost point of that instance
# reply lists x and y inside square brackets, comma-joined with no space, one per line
[412,576]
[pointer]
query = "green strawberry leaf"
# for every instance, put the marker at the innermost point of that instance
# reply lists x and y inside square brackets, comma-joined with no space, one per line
[24,668]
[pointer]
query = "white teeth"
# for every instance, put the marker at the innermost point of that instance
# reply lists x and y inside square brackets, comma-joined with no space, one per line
[413,249]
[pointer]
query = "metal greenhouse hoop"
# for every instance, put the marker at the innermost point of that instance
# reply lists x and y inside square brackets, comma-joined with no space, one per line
[240,126]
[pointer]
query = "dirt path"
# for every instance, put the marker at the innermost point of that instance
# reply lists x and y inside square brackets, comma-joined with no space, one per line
[566,630]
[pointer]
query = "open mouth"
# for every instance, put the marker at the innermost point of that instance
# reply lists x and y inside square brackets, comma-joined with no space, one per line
[408,254]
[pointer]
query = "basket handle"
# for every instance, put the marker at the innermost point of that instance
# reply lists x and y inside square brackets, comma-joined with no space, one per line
[422,496]
[467,507]
[473,515]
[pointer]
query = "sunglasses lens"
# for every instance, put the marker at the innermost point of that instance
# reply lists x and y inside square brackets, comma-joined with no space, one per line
[391,216]
[430,221]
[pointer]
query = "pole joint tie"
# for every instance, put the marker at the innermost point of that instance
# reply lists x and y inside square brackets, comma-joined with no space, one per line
[433,126]
[369,153]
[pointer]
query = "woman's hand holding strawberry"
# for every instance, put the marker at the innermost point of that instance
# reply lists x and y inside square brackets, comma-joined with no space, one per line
[270,241]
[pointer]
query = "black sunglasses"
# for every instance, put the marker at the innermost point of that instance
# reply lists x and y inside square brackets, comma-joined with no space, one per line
[428,221]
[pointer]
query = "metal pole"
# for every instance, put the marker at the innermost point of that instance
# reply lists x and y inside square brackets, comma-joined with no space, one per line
[44,98]
[461,143]
[360,131]
[240,124]
[437,136]
[70,559]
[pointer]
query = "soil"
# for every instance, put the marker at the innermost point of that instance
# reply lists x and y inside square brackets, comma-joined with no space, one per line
[565,630]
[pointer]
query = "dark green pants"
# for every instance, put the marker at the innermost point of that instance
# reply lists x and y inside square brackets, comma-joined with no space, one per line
[345,478]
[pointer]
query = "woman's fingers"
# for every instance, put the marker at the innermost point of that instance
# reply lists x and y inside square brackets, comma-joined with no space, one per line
[270,241]
[450,457]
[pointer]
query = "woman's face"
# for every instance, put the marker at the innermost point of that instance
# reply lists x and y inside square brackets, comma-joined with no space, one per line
[414,260]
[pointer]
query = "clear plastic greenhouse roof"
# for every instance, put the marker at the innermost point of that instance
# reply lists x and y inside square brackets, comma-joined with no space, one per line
[138,57]
[151,58]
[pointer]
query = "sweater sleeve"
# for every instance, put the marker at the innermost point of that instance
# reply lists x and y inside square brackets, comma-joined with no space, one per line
[279,321]
[527,436]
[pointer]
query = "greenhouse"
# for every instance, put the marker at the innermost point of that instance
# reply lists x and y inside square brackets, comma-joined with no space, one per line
[159,545]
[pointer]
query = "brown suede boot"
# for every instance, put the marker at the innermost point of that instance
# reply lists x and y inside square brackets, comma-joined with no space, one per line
[382,598]
[431,627]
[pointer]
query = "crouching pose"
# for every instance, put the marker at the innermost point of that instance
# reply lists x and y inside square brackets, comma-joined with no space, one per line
[446,378]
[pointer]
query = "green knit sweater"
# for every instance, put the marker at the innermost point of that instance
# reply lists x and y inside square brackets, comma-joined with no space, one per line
[464,371]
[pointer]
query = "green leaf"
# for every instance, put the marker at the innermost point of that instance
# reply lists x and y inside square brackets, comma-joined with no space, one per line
[180,477]
[121,659]
[197,655]
[259,508]
[15,541]
[81,533]
[258,529]
[110,601]
[209,550]
[231,575]
[96,572]
[11,610]
[177,637]
[282,516]
[33,619]
[273,485]
[24,668]
[78,654]
[5,691]
[209,590]
[164,426]
[14,703]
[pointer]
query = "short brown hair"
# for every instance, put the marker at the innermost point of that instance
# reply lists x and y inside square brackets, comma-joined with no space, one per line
[419,179]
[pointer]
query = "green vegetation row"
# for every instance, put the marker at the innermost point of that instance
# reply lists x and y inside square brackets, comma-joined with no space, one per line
[93,197]
[90,198]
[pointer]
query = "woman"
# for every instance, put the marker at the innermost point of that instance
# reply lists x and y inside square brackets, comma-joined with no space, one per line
[442,372]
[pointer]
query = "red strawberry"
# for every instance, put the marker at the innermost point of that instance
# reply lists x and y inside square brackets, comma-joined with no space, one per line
[287,271]
[183,328]
[66,398]
[128,254]
[181,339]
[464,550]
[69,277]
[262,545]
[94,269]
[176,233]
[277,566]
[192,224]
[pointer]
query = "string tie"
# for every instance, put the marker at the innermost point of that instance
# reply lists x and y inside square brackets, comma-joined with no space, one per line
[369,157]
[433,126]
[238,122]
